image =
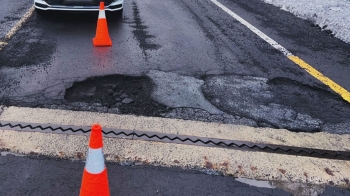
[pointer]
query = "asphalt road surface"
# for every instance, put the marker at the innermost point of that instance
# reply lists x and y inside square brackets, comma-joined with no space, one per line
[183,59]
[44,176]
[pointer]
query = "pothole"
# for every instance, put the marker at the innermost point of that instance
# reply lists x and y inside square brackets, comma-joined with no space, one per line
[264,101]
[310,100]
[129,94]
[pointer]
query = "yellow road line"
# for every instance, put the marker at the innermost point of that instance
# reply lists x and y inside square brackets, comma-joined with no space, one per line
[325,80]
[14,29]
[318,75]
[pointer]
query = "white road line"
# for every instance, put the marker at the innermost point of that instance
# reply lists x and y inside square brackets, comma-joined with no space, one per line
[18,25]
[272,42]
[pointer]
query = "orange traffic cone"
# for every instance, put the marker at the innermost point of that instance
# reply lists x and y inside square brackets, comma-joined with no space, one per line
[95,180]
[102,36]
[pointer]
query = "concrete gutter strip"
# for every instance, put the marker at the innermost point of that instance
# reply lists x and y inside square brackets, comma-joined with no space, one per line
[238,163]
[246,164]
[182,127]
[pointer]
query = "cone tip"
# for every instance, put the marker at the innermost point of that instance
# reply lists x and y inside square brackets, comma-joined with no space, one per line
[96,127]
[102,5]
[96,137]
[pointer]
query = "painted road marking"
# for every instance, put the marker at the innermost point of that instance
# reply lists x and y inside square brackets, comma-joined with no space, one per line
[14,29]
[308,68]
[334,86]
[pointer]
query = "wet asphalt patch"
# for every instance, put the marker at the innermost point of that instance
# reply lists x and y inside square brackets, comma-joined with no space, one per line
[29,38]
[10,13]
[140,32]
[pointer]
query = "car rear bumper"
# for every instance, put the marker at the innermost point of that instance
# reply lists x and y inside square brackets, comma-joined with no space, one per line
[43,5]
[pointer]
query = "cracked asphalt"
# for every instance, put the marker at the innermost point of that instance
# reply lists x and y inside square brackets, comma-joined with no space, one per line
[177,59]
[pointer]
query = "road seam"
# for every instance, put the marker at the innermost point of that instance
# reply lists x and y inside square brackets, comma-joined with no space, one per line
[308,68]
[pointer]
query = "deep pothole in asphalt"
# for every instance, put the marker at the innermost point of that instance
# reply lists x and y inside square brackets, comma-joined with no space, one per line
[127,94]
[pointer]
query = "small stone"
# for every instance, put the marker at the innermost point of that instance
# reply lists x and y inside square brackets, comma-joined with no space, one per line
[118,104]
[127,100]
[110,92]
[90,92]
[113,110]
[134,92]
[124,96]
[118,99]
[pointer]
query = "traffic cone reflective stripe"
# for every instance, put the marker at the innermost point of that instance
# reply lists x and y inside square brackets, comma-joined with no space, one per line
[102,36]
[95,161]
[95,179]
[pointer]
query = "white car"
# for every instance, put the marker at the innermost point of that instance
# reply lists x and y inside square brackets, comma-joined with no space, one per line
[78,5]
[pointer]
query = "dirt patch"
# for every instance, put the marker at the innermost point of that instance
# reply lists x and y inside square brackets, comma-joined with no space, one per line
[29,38]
